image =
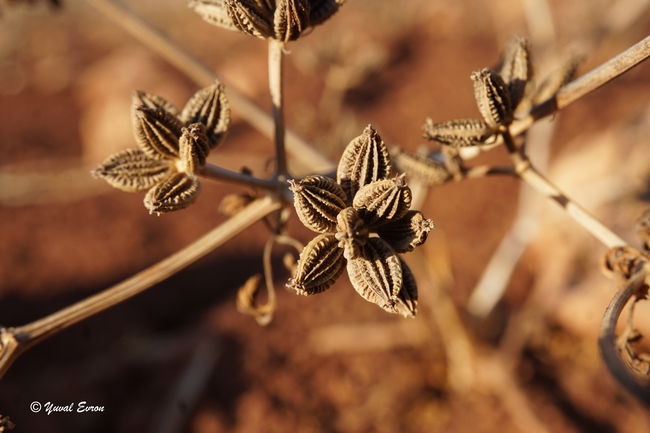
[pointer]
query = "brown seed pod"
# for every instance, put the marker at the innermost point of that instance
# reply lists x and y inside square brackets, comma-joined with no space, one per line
[383,201]
[251,17]
[210,107]
[420,167]
[377,273]
[492,98]
[558,78]
[318,200]
[149,100]
[213,12]
[290,19]
[364,160]
[407,298]
[157,132]
[193,148]
[132,170]
[517,69]
[176,192]
[351,233]
[320,265]
[406,233]
[459,133]
[322,10]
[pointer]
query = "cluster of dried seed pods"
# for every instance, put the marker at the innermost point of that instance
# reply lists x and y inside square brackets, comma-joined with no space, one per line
[173,147]
[282,20]
[363,220]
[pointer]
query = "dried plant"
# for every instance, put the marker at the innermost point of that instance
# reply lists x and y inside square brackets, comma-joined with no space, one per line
[363,219]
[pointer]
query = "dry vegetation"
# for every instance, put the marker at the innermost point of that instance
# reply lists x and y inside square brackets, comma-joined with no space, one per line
[179,357]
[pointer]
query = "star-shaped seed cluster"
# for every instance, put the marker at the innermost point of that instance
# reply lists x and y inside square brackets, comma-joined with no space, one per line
[282,20]
[173,147]
[363,220]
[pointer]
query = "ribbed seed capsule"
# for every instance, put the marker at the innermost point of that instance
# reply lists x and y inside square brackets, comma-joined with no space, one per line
[193,148]
[149,100]
[364,160]
[407,299]
[132,170]
[157,132]
[321,10]
[383,201]
[213,12]
[377,274]
[558,79]
[351,233]
[459,133]
[517,69]
[291,18]
[177,192]
[318,200]
[420,167]
[406,233]
[210,107]
[320,265]
[250,17]
[492,98]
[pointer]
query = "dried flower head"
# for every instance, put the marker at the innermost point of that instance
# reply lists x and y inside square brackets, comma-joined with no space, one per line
[173,148]
[517,69]
[459,132]
[282,20]
[364,221]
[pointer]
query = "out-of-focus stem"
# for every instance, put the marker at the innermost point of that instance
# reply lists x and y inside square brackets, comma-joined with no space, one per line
[16,340]
[276,88]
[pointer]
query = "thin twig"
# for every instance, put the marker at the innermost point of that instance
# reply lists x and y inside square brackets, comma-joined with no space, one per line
[276,88]
[607,341]
[585,84]
[214,172]
[487,170]
[32,333]
[304,157]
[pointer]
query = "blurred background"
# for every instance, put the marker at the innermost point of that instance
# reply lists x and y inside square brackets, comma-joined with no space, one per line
[180,358]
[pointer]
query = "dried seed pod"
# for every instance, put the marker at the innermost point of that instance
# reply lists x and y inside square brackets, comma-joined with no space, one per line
[149,100]
[420,167]
[318,200]
[407,232]
[290,19]
[157,132]
[320,265]
[193,148]
[210,107]
[377,273]
[176,192]
[558,78]
[453,161]
[322,10]
[492,98]
[459,133]
[516,69]
[351,233]
[364,160]
[132,170]
[407,298]
[213,12]
[250,17]
[383,201]
[246,303]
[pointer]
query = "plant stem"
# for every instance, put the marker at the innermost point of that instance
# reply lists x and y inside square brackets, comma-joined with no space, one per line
[215,172]
[304,157]
[585,84]
[535,179]
[32,333]
[607,341]
[276,88]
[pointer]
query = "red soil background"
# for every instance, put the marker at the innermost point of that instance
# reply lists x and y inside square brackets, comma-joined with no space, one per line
[329,363]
